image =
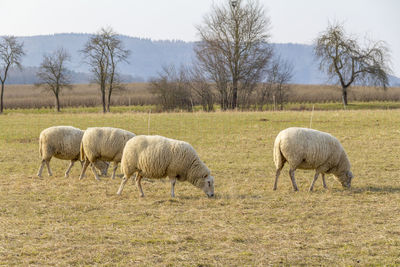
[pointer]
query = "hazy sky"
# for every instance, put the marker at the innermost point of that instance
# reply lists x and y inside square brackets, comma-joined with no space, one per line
[296,21]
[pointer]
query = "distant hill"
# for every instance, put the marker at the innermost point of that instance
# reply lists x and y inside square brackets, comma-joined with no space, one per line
[148,57]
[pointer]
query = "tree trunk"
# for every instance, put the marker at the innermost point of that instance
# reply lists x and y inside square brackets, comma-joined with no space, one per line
[109,100]
[57,103]
[344,95]
[234,94]
[1,97]
[103,100]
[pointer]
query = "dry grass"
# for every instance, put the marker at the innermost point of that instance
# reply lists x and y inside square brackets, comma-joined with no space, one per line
[87,95]
[59,221]
[81,95]
[331,93]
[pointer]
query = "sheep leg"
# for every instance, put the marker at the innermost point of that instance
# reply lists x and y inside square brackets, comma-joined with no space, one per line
[139,185]
[173,182]
[313,182]
[123,182]
[48,168]
[95,172]
[278,172]
[114,170]
[69,168]
[85,165]
[39,174]
[104,172]
[323,181]
[291,173]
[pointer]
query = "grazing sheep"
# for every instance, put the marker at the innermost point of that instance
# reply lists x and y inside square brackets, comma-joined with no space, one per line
[103,143]
[62,142]
[311,149]
[158,157]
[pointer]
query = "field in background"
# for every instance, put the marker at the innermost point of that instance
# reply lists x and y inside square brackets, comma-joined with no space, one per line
[59,221]
[81,95]
[86,95]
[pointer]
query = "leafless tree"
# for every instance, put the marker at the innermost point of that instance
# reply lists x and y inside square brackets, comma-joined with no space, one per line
[275,89]
[11,53]
[117,54]
[212,65]
[172,89]
[201,87]
[234,41]
[343,59]
[281,72]
[103,52]
[53,74]
[96,57]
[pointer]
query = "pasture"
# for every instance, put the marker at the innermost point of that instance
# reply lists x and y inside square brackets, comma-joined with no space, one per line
[64,221]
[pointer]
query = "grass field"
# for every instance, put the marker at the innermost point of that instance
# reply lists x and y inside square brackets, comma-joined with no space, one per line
[59,221]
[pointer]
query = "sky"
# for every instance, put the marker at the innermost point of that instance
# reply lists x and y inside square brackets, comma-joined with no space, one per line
[292,21]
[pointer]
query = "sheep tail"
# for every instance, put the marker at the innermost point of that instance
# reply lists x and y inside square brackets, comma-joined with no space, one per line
[40,148]
[122,167]
[278,157]
[82,152]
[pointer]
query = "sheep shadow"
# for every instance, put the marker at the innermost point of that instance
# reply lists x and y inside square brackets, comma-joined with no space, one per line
[375,189]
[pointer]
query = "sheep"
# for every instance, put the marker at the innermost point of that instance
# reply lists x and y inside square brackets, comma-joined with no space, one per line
[62,142]
[311,149]
[103,143]
[157,157]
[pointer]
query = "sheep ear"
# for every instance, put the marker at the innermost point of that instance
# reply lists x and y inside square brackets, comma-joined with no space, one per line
[205,176]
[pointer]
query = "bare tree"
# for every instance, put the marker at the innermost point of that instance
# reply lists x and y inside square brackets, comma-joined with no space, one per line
[234,40]
[344,60]
[11,53]
[53,74]
[102,53]
[95,53]
[201,87]
[211,63]
[280,73]
[117,54]
[172,89]
[275,89]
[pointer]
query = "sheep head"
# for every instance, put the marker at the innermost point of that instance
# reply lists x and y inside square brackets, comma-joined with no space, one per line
[345,179]
[206,183]
[103,167]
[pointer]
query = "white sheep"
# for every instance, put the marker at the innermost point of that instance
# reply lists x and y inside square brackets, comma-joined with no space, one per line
[62,142]
[305,148]
[158,157]
[103,143]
